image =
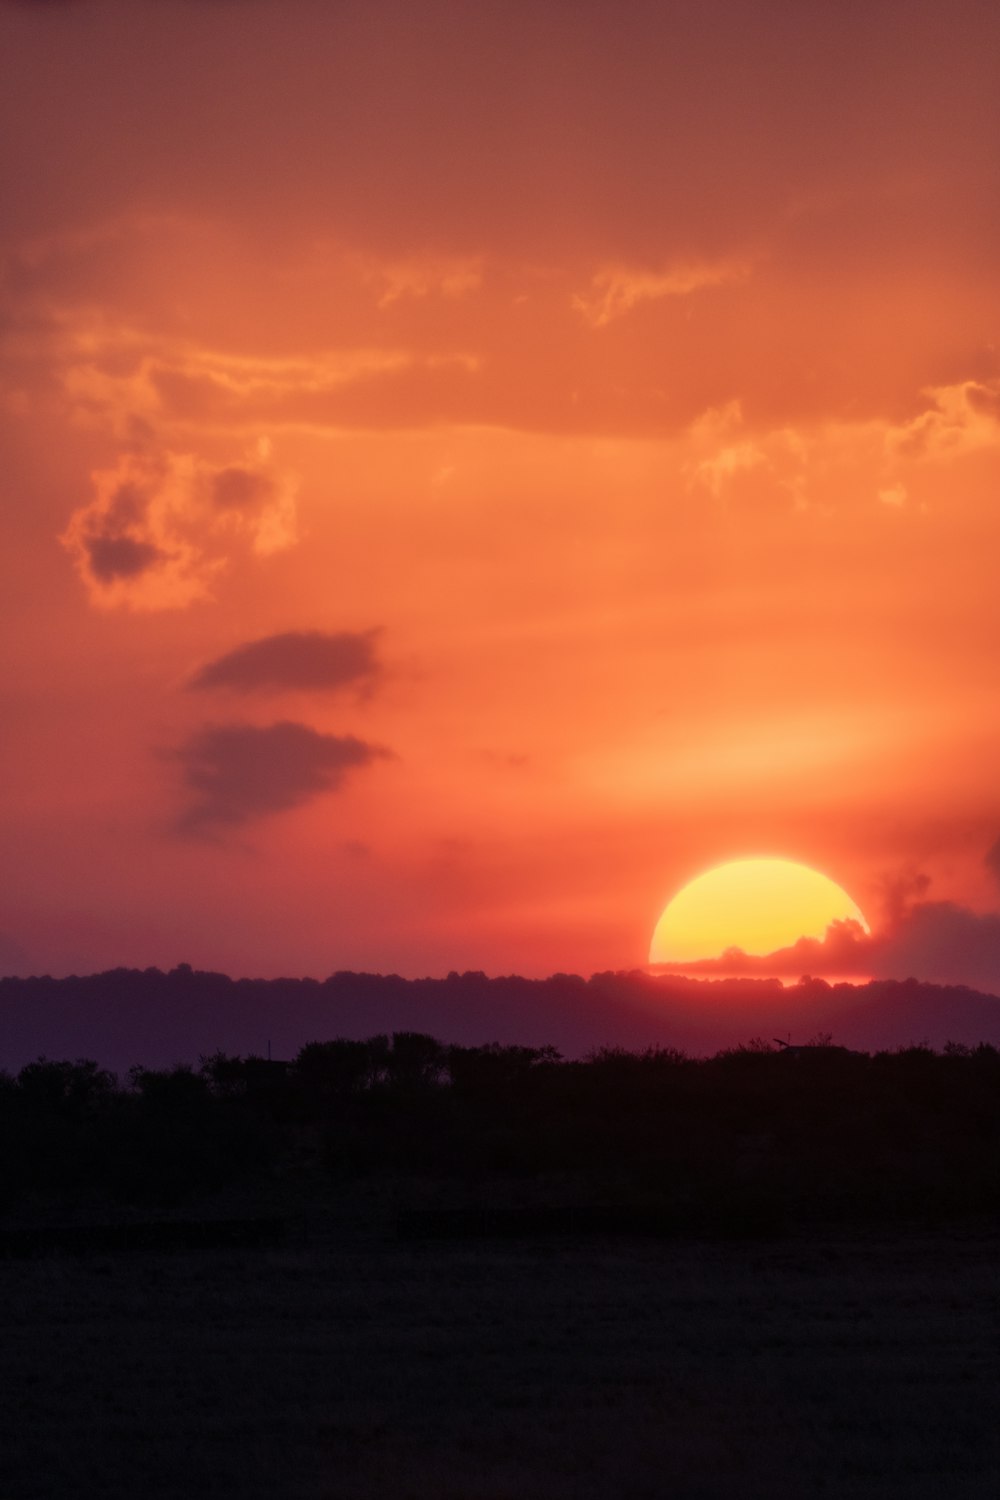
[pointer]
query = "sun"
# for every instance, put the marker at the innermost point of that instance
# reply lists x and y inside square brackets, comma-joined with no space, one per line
[757,905]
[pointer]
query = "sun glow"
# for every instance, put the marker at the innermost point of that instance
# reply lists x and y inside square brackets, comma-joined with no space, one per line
[756,905]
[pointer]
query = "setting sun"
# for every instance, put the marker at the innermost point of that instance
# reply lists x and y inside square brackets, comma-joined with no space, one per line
[756,905]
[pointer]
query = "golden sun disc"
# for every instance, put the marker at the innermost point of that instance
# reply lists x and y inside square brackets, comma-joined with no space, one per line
[756,905]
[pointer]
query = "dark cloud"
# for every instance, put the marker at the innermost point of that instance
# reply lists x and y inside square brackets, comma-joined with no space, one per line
[237,488]
[310,659]
[112,557]
[944,942]
[237,772]
[111,536]
[900,890]
[936,941]
[992,860]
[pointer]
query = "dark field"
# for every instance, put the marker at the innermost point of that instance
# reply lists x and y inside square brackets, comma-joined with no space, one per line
[347,1364]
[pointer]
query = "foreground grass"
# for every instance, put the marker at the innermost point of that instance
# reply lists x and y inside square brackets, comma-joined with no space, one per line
[349,1365]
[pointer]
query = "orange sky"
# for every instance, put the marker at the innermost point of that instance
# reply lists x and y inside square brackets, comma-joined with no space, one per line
[600,405]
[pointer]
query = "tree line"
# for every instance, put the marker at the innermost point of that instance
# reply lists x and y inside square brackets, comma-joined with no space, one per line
[756,1135]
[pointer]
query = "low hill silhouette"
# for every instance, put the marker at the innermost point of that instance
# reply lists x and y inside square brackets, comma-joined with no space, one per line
[128,1016]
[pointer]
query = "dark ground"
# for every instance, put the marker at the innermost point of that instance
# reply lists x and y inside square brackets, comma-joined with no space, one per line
[349,1364]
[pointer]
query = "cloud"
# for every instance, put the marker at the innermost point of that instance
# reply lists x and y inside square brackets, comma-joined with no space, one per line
[111,557]
[991,859]
[381,389]
[161,526]
[962,418]
[615,290]
[241,489]
[716,472]
[303,659]
[900,892]
[239,772]
[115,374]
[936,941]
[724,453]
[422,277]
[942,941]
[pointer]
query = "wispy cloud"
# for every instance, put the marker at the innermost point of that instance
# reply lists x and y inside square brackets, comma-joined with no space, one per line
[960,418]
[114,373]
[185,388]
[422,276]
[616,289]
